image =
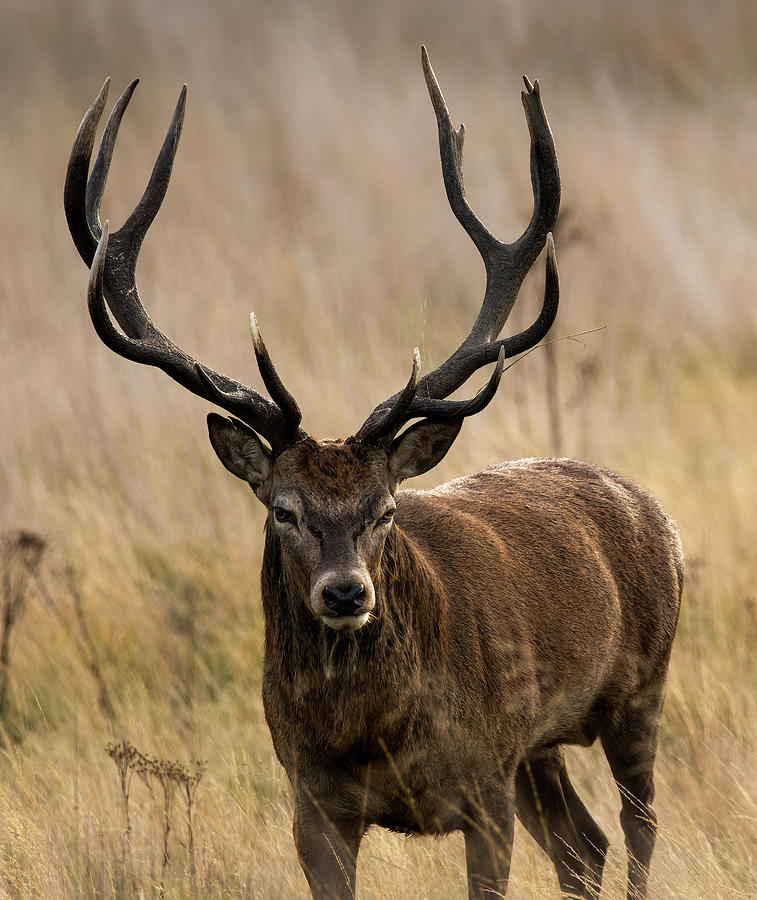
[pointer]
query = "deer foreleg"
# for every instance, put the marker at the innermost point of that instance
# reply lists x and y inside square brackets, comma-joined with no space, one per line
[327,848]
[488,847]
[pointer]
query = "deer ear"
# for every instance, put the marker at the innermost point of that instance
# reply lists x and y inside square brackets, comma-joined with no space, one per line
[421,447]
[240,450]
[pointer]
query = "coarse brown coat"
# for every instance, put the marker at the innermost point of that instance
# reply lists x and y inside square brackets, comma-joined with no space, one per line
[428,653]
[526,606]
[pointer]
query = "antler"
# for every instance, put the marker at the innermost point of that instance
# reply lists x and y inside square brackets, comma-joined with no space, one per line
[506,267]
[113,260]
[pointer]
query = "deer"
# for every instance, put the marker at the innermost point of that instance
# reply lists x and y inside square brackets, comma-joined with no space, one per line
[428,654]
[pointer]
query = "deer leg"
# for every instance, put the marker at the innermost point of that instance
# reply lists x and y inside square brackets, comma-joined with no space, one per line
[327,849]
[630,744]
[594,839]
[488,846]
[553,814]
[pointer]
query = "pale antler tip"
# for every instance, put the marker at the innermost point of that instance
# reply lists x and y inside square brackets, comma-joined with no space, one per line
[551,254]
[428,74]
[527,82]
[255,330]
[181,104]
[99,102]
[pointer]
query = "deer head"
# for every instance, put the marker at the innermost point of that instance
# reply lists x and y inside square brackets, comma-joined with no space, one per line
[330,504]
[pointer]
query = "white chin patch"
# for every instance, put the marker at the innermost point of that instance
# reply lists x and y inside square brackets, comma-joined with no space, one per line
[346,623]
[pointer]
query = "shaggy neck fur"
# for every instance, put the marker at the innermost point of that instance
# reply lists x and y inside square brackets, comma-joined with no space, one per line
[364,677]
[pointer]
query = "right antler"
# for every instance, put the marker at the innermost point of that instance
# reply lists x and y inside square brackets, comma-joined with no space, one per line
[506,267]
[113,261]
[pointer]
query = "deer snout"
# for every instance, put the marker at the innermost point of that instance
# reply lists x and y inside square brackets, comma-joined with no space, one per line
[344,602]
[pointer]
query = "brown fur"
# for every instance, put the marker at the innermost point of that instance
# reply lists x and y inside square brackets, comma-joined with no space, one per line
[421,673]
[526,606]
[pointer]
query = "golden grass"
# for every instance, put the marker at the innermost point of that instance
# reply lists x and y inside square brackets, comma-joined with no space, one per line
[307,187]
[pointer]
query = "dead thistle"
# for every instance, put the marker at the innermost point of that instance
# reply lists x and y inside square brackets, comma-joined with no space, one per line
[124,755]
[168,775]
[188,781]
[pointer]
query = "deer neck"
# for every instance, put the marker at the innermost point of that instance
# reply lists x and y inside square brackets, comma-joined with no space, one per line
[404,634]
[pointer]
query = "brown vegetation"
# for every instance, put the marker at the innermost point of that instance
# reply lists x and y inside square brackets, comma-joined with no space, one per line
[308,189]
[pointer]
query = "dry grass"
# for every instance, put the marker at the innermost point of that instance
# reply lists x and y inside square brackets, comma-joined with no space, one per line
[307,187]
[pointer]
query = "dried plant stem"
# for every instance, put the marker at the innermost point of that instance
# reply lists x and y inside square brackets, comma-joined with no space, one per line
[127,818]
[553,398]
[124,755]
[80,634]
[20,557]
[521,405]
[88,650]
[168,787]
[189,782]
[7,626]
[170,776]
[587,376]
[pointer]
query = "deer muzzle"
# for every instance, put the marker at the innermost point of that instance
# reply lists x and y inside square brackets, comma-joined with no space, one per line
[343,600]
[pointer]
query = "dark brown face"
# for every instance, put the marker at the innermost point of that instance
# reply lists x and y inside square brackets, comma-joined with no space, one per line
[331,506]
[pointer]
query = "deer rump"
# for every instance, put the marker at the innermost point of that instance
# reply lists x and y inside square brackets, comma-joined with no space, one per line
[519,608]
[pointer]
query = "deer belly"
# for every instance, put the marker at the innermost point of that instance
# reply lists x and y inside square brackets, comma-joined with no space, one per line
[427,785]
[420,799]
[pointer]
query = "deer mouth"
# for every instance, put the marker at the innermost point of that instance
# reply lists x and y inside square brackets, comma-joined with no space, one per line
[346,623]
[343,600]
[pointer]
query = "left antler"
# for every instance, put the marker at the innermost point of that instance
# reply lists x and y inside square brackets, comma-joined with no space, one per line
[113,260]
[506,267]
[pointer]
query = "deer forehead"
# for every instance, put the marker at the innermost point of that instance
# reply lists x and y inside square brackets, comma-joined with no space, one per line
[327,476]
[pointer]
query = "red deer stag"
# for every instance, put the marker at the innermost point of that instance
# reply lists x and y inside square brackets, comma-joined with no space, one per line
[428,653]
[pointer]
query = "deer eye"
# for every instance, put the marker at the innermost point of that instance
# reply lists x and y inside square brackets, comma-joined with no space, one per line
[387,518]
[284,515]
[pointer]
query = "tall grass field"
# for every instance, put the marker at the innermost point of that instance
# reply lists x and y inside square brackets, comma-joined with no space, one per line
[307,188]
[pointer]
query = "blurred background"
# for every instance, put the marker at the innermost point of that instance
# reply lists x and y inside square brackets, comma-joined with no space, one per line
[307,188]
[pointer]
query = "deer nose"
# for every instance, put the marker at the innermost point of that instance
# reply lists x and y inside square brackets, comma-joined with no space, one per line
[343,601]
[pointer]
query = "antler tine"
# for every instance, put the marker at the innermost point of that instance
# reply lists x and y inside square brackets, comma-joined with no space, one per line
[75,190]
[387,419]
[135,227]
[477,355]
[428,407]
[451,151]
[273,383]
[391,419]
[506,264]
[99,176]
[112,281]
[381,428]
[120,274]
[82,198]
